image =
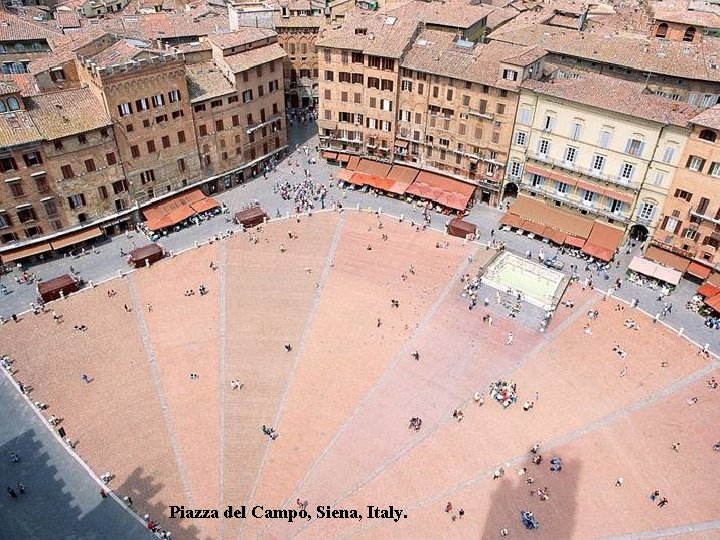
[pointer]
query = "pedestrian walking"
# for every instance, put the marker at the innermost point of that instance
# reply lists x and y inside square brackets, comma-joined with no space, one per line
[85,378]
[11,493]
[20,488]
[510,339]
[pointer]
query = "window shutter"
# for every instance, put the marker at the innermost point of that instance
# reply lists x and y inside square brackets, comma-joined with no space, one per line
[678,226]
[664,222]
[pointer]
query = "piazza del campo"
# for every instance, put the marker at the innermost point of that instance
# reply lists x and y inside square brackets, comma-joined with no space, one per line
[359,269]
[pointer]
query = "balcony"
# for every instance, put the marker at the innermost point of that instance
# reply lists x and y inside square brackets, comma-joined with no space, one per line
[574,167]
[486,115]
[705,217]
[254,127]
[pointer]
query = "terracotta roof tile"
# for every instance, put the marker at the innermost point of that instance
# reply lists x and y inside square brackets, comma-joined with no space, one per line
[67,19]
[708,118]
[17,128]
[243,36]
[676,59]
[12,28]
[617,95]
[60,114]
[435,52]
[205,81]
[684,16]
[254,57]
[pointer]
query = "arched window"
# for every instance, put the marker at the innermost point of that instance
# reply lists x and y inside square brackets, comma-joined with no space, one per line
[3,107]
[661,31]
[689,34]
[708,135]
[13,104]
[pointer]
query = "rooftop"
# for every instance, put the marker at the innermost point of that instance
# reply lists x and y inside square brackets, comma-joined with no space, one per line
[709,118]
[13,28]
[124,51]
[17,128]
[435,52]
[671,58]
[60,114]
[243,36]
[617,95]
[205,81]
[705,19]
[248,59]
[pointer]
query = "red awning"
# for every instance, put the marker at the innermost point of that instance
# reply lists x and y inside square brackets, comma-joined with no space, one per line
[574,241]
[714,302]
[667,258]
[358,179]
[353,163]
[344,174]
[329,155]
[698,270]
[532,227]
[442,189]
[553,234]
[511,220]
[343,158]
[599,252]
[203,205]
[708,289]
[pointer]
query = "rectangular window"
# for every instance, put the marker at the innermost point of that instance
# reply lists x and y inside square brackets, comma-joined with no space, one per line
[67,172]
[160,119]
[219,126]
[543,147]
[158,100]
[329,75]
[50,207]
[202,130]
[386,84]
[16,189]
[199,108]
[33,158]
[386,105]
[247,96]
[90,165]
[570,154]
[41,184]
[8,164]
[215,103]
[406,86]
[135,151]
[421,88]
[514,169]
[627,170]
[178,114]
[703,205]
[141,104]
[235,120]
[561,187]
[575,131]
[714,169]
[695,163]
[634,147]
[181,137]
[524,116]
[605,137]
[549,123]
[500,108]
[124,109]
[119,186]
[597,164]
[151,146]
[510,75]
[520,138]
[181,164]
[147,176]
[174,96]
[76,201]
[669,154]
[103,192]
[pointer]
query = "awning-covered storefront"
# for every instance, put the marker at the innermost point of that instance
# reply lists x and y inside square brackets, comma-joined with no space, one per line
[654,270]
[402,178]
[708,289]
[29,251]
[357,178]
[177,208]
[344,174]
[532,227]
[373,168]
[76,237]
[553,234]
[574,241]
[714,279]
[714,302]
[352,163]
[698,270]
[511,220]
[536,210]
[327,154]
[603,241]
[204,205]
[668,259]
[343,158]
[441,189]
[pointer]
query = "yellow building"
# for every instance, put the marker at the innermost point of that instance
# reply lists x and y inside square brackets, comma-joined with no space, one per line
[598,146]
